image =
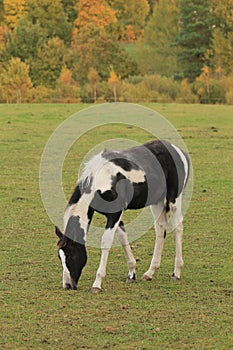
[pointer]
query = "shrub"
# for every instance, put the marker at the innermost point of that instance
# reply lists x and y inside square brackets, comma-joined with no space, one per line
[212,92]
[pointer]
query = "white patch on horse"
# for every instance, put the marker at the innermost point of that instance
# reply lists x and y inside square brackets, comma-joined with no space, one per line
[66,274]
[79,209]
[103,178]
[135,176]
[102,170]
[184,161]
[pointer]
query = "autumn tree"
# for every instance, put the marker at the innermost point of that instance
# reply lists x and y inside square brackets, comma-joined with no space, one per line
[114,82]
[131,15]
[221,51]
[16,80]
[96,12]
[95,44]
[67,90]
[13,10]
[208,89]
[93,78]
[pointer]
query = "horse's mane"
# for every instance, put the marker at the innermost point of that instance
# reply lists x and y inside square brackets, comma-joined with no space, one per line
[92,167]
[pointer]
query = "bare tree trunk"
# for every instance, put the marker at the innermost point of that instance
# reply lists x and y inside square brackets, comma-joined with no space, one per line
[115,92]
[95,92]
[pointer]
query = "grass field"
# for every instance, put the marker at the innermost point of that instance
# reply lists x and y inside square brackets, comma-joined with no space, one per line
[36,313]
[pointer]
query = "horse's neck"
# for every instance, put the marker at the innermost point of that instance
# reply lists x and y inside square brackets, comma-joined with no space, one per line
[79,209]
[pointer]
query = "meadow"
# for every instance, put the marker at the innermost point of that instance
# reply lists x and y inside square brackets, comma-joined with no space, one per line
[194,313]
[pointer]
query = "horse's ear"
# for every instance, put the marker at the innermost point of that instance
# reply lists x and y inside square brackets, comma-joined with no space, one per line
[58,232]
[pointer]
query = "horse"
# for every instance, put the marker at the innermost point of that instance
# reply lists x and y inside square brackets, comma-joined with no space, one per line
[152,174]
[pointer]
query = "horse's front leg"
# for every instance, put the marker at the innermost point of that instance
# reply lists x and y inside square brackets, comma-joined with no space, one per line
[106,243]
[131,262]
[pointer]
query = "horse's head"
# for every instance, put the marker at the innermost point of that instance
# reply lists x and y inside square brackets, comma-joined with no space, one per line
[73,258]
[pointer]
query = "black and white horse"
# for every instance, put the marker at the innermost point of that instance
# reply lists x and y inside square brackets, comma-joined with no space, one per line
[153,174]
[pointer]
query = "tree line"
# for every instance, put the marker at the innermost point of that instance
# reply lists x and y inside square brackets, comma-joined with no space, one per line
[116,50]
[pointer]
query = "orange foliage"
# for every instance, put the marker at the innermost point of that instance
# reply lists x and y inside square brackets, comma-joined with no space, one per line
[113,79]
[66,76]
[205,75]
[96,12]
[130,34]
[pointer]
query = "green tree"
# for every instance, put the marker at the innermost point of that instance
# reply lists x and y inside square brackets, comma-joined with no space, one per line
[158,54]
[16,80]
[70,8]
[194,36]
[50,16]
[152,4]
[25,40]
[47,67]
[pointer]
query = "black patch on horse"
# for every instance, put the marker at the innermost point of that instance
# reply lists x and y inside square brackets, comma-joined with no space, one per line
[75,195]
[74,230]
[121,160]
[84,186]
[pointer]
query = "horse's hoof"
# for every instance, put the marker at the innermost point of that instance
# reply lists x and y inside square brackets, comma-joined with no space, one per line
[131,279]
[174,278]
[145,277]
[96,290]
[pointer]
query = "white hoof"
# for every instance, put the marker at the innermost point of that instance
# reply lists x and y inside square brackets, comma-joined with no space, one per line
[145,277]
[175,278]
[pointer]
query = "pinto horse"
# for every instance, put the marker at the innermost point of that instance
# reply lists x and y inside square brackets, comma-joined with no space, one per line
[153,174]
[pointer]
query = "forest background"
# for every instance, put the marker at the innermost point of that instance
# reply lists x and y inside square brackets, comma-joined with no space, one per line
[69,51]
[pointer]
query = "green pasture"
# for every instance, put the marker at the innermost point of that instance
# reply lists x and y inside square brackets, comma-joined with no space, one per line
[36,313]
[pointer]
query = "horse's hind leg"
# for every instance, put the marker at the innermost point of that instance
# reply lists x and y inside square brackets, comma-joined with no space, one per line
[131,262]
[160,223]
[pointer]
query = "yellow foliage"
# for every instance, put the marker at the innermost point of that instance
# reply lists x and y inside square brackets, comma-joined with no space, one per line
[13,10]
[66,76]
[113,79]
[93,76]
[16,79]
[96,12]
